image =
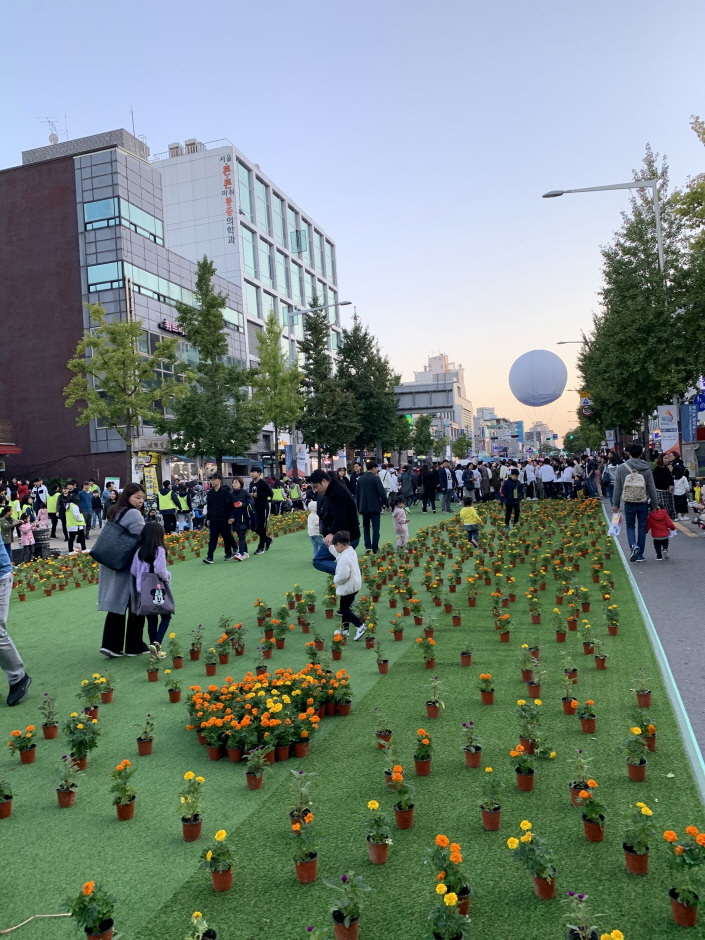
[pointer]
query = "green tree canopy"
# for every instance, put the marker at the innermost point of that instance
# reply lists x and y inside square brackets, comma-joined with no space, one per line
[276,382]
[461,445]
[423,439]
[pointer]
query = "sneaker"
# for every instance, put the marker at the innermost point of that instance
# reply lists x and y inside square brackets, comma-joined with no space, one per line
[665,554]
[474,542]
[345,632]
[640,559]
[244,556]
[19,690]
[268,545]
[635,553]
[360,631]
[368,551]
[106,652]
[658,558]
[228,558]
[237,557]
[260,551]
[208,561]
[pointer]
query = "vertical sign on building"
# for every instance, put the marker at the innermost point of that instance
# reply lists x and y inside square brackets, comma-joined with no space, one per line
[668,426]
[228,192]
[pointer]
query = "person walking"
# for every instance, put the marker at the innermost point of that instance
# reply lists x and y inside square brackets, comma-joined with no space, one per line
[75,521]
[681,488]
[428,485]
[151,557]
[512,493]
[337,512]
[96,510]
[634,483]
[401,523]
[169,506]
[371,498]
[347,579]
[389,484]
[547,476]
[471,520]
[244,518]
[39,494]
[219,518]
[314,532]
[660,524]
[261,493]
[408,486]
[115,587]
[105,497]
[64,500]
[484,481]
[357,472]
[10,660]
[26,533]
[7,530]
[446,485]
[85,502]
[664,483]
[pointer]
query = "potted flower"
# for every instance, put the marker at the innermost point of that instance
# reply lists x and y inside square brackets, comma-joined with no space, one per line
[5,799]
[237,638]
[383,732]
[471,745]
[523,766]
[219,860]
[404,805]
[581,776]
[531,851]
[301,787]
[93,910]
[191,802]
[471,591]
[434,703]
[587,639]
[534,608]
[379,834]
[153,663]
[347,906]
[89,695]
[145,739]
[446,858]
[382,663]
[261,608]
[533,687]
[123,791]
[588,716]
[427,646]
[175,652]
[559,624]
[318,638]
[68,783]
[397,628]
[490,804]
[173,686]
[196,643]
[446,921]
[593,813]
[108,688]
[422,753]
[199,928]
[528,715]
[486,688]
[310,599]
[211,661]
[642,688]
[303,834]
[635,747]
[580,927]
[639,833]
[82,735]
[612,617]
[526,663]
[23,743]
[257,763]
[337,646]
[47,709]
[600,654]
[685,856]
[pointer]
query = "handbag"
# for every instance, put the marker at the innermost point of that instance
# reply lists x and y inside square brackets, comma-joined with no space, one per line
[115,547]
[155,595]
[420,489]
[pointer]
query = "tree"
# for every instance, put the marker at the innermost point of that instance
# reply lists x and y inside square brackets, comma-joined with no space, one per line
[423,439]
[276,383]
[582,438]
[400,437]
[461,445]
[328,417]
[367,376]
[218,416]
[439,445]
[117,382]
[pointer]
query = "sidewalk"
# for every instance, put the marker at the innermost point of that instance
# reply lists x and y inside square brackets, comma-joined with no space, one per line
[671,590]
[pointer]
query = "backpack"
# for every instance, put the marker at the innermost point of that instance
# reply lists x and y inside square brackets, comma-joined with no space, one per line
[634,490]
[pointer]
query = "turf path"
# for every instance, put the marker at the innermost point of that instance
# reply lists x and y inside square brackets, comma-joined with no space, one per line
[47,854]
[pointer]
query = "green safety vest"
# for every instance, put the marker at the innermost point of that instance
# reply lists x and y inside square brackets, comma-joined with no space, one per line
[278,494]
[295,493]
[15,505]
[169,501]
[52,502]
[71,521]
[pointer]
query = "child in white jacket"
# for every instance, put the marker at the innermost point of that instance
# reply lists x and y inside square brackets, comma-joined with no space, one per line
[347,580]
[314,532]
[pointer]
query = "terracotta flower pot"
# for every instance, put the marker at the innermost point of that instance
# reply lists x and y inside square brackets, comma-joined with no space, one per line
[106,697]
[126,811]
[282,752]
[466,659]
[559,599]
[211,668]
[472,758]
[383,737]
[568,706]
[487,697]
[432,710]
[5,808]
[588,648]
[601,662]
[594,832]
[589,725]
[50,731]
[191,829]
[318,644]
[222,880]
[378,852]
[144,748]
[215,751]
[305,627]
[685,915]
[637,772]
[152,675]
[194,655]
[572,674]
[307,871]
[404,818]
[177,662]
[472,601]
[234,754]
[544,889]
[612,629]
[341,931]
[80,762]
[106,931]
[331,708]
[636,864]
[392,603]
[344,709]
[528,745]
[572,623]
[174,696]
[422,767]
[533,690]
[644,699]
[65,798]
[527,675]
[301,748]
[430,663]
[525,782]
[329,613]
[28,756]
[491,818]
[650,742]
[505,636]
[398,635]
[254,781]
[267,653]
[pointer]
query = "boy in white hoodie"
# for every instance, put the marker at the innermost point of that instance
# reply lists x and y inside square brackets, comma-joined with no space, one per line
[347,580]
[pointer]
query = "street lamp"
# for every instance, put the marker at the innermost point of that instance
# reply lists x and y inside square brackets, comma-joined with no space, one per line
[636,184]
[568,342]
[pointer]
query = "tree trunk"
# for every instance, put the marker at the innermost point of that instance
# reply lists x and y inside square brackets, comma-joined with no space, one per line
[219,464]
[645,431]
[128,450]
[276,452]
[380,452]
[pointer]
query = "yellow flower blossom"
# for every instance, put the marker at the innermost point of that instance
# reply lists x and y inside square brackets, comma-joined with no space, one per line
[441,889]
[513,843]
[451,899]
[220,835]
[527,837]
[373,804]
[525,824]
[189,775]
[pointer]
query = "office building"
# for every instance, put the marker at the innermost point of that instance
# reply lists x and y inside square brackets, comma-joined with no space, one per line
[440,381]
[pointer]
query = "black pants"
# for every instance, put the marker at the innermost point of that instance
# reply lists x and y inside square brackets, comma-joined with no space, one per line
[261,530]
[169,521]
[240,534]
[530,490]
[373,519]
[220,527]
[114,636]
[346,602]
[661,545]
[54,520]
[430,498]
[79,537]
[508,509]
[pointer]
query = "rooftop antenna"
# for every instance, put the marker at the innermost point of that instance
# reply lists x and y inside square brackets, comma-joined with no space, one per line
[50,122]
[66,126]
[133,121]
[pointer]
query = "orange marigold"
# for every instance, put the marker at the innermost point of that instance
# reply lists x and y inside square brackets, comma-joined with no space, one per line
[679,850]
[88,888]
[442,842]
[700,839]
[691,830]
[670,836]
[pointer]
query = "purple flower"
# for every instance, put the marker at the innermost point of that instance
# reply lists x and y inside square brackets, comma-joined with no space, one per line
[309,929]
[581,897]
[571,894]
[344,878]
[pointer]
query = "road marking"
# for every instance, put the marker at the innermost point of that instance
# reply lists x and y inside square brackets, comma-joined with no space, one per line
[685,530]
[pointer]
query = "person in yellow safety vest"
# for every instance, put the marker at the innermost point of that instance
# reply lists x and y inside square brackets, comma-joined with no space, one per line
[75,522]
[169,505]
[16,509]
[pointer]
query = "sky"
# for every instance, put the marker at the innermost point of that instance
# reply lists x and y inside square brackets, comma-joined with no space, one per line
[420,135]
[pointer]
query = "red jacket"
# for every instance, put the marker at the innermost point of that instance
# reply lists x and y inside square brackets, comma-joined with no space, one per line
[658,523]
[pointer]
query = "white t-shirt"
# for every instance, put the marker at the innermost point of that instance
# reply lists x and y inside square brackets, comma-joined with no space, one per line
[477,477]
[568,475]
[546,473]
[530,473]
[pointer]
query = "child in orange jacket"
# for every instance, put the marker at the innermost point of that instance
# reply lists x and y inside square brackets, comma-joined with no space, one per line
[659,523]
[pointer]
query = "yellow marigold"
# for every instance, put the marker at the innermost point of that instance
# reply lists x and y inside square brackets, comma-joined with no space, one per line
[220,835]
[537,701]
[451,899]
[645,811]
[616,935]
[527,837]
[200,779]
[692,830]
[209,855]
[513,843]
[521,701]
[488,770]
[525,824]
[551,755]
[373,804]
[441,889]
[189,775]
[80,726]
[442,841]
[197,914]
[74,714]
[171,636]
[635,730]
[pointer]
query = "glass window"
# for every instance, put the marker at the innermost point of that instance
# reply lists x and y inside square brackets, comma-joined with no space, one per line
[233,319]
[279,216]
[283,281]
[330,274]
[333,311]
[305,245]
[285,310]
[334,340]
[293,221]
[310,285]
[244,185]
[141,222]
[266,275]
[319,253]
[101,213]
[321,291]
[249,252]
[296,286]
[269,305]
[105,276]
[252,300]
[262,192]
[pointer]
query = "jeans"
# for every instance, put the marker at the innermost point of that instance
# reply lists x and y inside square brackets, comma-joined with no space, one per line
[8,549]
[591,488]
[97,521]
[324,561]
[472,532]
[10,660]
[316,542]
[636,512]
[373,519]
[608,490]
[157,632]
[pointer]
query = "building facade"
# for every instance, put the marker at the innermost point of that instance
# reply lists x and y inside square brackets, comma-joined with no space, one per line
[442,376]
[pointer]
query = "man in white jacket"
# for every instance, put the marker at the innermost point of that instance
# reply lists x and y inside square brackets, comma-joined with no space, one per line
[347,580]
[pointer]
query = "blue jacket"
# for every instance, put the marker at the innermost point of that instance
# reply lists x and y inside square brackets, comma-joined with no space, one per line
[85,501]
[512,492]
[243,512]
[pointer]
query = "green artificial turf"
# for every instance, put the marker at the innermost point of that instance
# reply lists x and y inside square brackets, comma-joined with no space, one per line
[48,854]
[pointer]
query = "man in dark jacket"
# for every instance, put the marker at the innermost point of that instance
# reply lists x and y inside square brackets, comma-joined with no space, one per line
[371,498]
[429,482]
[355,476]
[219,518]
[336,513]
[512,492]
[261,493]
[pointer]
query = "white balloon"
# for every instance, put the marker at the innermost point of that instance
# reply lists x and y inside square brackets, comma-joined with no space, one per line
[538,378]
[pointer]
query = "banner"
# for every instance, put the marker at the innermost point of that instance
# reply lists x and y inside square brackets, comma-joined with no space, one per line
[289,457]
[668,426]
[689,423]
[586,404]
[151,483]
[301,458]
[609,438]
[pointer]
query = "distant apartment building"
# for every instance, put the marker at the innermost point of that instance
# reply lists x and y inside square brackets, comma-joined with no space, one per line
[444,382]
